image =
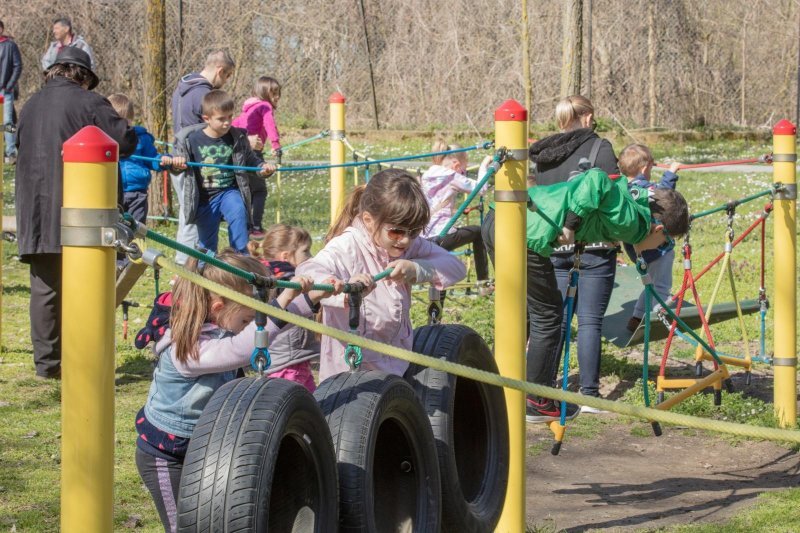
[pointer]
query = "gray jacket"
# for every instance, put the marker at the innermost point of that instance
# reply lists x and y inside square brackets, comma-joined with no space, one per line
[243,156]
[78,41]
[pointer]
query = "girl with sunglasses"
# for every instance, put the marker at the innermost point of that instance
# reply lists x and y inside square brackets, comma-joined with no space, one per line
[378,229]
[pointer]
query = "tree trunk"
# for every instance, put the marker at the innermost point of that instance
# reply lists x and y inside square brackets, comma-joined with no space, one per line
[572,47]
[155,68]
[526,63]
[651,61]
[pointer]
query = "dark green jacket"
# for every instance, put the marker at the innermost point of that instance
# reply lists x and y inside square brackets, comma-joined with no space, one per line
[609,212]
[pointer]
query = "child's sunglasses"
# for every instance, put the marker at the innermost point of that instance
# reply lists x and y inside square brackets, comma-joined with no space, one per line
[397,234]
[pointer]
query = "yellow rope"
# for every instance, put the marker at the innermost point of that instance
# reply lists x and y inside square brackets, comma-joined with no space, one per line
[666,417]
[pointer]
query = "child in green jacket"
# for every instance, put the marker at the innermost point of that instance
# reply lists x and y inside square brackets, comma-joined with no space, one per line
[589,208]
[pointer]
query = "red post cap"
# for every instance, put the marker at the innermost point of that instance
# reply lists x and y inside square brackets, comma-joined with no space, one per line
[2,99]
[91,145]
[336,98]
[784,127]
[511,110]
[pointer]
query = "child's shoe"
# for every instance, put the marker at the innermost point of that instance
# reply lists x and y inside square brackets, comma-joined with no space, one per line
[633,323]
[257,232]
[545,410]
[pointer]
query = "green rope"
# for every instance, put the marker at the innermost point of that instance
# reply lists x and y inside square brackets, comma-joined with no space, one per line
[320,135]
[250,277]
[497,160]
[733,203]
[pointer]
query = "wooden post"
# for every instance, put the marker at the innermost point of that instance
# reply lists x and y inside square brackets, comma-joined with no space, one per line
[651,62]
[526,64]
[571,51]
[155,82]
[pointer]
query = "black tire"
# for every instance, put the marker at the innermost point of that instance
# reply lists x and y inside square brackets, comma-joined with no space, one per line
[470,427]
[260,459]
[388,472]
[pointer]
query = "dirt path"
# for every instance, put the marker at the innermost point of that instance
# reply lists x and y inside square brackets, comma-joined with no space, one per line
[616,481]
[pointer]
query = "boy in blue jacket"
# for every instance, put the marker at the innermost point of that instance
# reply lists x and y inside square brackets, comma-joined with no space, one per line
[636,163]
[136,174]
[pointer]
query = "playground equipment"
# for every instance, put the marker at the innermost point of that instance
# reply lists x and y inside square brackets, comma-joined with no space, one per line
[511,201]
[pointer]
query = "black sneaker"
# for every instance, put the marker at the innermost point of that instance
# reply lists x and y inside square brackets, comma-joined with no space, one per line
[544,410]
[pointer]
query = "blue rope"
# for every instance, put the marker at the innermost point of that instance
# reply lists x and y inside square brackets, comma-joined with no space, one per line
[483,146]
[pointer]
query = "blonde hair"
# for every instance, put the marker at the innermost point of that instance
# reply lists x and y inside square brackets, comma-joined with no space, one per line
[280,238]
[220,58]
[217,100]
[570,109]
[193,303]
[440,145]
[122,105]
[392,196]
[633,158]
[267,89]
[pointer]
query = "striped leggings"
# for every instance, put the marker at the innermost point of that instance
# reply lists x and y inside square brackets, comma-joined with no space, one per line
[162,478]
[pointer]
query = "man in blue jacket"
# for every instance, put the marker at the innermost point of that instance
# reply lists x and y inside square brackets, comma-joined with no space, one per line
[10,71]
[186,111]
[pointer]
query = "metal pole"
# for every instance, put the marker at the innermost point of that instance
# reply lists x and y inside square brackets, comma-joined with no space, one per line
[88,297]
[511,198]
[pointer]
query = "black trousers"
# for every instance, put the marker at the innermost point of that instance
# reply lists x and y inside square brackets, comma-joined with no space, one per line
[463,236]
[45,313]
[545,311]
[162,478]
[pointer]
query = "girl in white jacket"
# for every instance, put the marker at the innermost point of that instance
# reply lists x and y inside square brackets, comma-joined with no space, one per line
[378,229]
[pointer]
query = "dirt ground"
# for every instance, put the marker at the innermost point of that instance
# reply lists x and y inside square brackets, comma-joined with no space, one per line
[621,482]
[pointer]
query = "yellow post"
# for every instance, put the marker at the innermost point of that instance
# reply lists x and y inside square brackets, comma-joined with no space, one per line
[87,360]
[511,198]
[784,262]
[336,102]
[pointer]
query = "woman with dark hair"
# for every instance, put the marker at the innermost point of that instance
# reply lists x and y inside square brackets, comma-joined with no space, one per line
[58,111]
[557,158]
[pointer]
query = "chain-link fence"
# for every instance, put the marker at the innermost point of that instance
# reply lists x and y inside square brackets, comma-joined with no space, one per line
[665,63]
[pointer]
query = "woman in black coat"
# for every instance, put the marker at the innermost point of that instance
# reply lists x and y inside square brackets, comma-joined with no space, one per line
[58,111]
[557,158]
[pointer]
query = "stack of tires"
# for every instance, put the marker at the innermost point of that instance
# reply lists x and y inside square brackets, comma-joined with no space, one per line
[368,452]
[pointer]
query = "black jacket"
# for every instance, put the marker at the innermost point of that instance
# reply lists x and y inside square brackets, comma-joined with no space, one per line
[10,65]
[558,155]
[50,117]
[243,156]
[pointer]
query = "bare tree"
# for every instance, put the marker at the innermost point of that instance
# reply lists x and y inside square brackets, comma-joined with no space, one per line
[155,82]
[572,47]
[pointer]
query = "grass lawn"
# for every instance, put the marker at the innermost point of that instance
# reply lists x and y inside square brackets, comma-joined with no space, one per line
[30,442]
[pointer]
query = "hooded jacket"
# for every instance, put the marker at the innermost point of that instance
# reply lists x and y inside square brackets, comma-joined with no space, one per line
[385,312]
[608,211]
[243,156]
[136,174]
[557,157]
[10,65]
[258,118]
[50,117]
[55,47]
[187,100]
[441,185]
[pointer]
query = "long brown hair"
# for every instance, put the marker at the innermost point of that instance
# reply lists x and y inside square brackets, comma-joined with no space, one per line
[193,303]
[268,89]
[392,196]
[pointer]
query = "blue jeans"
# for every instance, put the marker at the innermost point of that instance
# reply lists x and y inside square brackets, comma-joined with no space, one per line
[660,272]
[598,269]
[227,205]
[8,118]
[187,233]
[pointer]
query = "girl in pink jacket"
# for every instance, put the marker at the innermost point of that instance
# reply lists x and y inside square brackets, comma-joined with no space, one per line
[378,229]
[258,119]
